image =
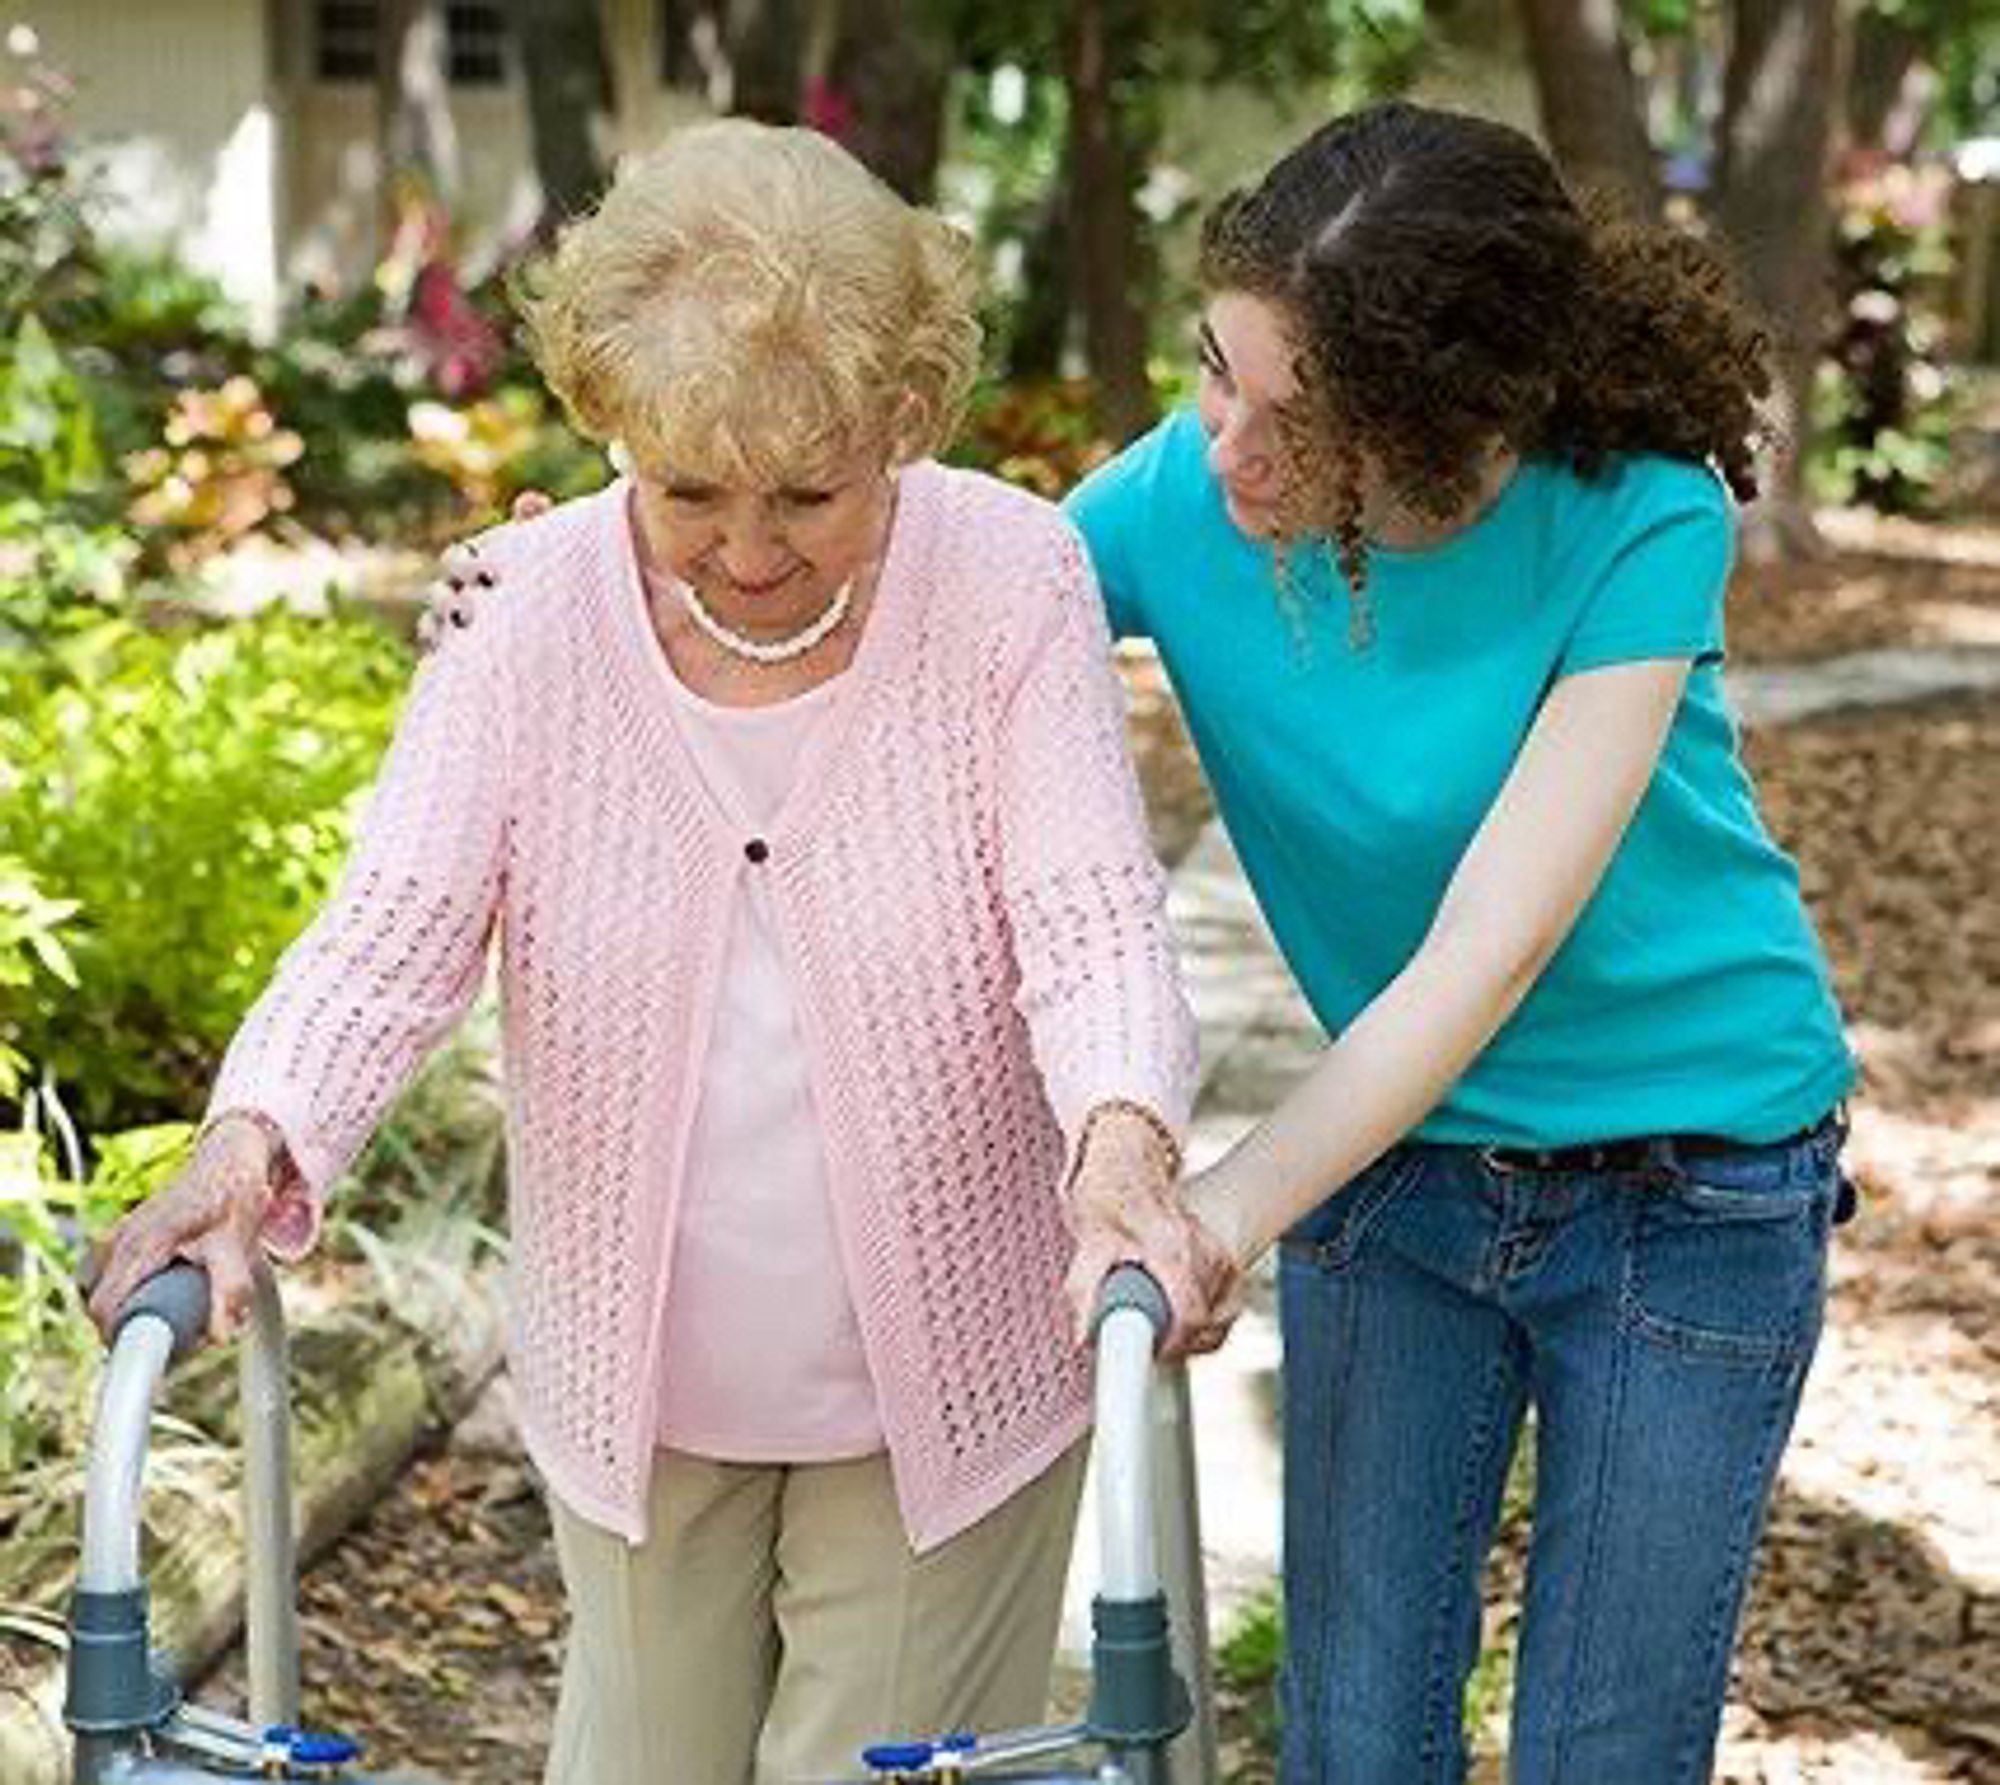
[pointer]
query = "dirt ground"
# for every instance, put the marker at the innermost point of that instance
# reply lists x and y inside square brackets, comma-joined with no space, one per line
[1885,584]
[1872,1653]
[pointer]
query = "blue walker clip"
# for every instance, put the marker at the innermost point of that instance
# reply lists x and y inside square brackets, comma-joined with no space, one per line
[895,1760]
[320,1756]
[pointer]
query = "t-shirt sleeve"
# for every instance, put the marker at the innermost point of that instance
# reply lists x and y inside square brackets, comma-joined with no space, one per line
[1108,508]
[1659,592]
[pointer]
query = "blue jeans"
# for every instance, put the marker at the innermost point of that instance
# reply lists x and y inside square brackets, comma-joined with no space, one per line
[1660,1320]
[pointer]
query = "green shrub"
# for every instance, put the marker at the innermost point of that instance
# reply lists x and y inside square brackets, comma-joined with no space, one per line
[1034,432]
[57,573]
[1246,1677]
[191,793]
[50,1211]
[31,949]
[48,1216]
[1882,405]
[48,431]
[492,449]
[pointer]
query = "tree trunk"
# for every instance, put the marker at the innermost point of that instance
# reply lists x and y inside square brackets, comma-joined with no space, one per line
[1776,143]
[1041,319]
[568,77]
[765,42]
[1592,111]
[691,54]
[1103,227]
[1887,101]
[888,75]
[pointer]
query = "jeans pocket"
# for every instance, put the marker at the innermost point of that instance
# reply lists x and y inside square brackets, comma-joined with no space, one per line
[1728,1257]
[1330,1237]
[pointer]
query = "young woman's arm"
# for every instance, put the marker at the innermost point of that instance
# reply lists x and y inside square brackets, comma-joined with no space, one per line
[1531,867]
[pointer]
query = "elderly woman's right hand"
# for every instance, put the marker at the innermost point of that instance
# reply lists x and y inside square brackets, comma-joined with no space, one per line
[211,1215]
[1124,1207]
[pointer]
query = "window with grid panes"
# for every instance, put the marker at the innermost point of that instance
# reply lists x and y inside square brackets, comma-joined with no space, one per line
[476,32]
[345,40]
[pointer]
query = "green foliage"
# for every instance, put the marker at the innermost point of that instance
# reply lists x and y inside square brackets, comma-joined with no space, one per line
[492,449]
[1038,434]
[383,457]
[1012,128]
[349,403]
[1882,413]
[1246,1671]
[48,1215]
[31,947]
[1248,1660]
[1275,46]
[1960,39]
[127,357]
[48,1218]
[132,323]
[44,232]
[190,792]
[147,301]
[56,572]
[48,432]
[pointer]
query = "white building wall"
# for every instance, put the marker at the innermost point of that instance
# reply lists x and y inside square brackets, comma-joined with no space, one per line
[216,136]
[332,178]
[174,99]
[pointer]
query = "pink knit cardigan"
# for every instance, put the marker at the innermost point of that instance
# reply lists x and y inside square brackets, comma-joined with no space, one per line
[961,880]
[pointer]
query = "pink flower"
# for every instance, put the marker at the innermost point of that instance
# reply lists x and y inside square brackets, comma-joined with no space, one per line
[828,110]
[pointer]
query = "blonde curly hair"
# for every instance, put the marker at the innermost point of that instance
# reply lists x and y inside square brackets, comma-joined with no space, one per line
[749,304]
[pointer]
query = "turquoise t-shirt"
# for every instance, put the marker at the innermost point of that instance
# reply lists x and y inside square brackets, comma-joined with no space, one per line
[1692,995]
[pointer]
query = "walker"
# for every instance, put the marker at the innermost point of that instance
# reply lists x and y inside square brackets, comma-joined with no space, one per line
[1140,1702]
[133,1727]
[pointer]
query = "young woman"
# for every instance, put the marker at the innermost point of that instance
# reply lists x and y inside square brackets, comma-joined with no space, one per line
[1436,565]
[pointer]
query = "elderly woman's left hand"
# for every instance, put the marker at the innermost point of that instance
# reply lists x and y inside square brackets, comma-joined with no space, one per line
[1125,1208]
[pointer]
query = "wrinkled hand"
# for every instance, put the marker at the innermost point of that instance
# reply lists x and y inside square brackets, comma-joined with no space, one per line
[211,1215]
[1124,1208]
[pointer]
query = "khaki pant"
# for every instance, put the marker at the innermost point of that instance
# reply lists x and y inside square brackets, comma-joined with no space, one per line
[775,1621]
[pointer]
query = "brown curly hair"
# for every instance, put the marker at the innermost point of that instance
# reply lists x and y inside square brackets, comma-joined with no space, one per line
[1449,293]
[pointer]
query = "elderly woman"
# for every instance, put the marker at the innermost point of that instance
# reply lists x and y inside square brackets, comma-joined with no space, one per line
[788,771]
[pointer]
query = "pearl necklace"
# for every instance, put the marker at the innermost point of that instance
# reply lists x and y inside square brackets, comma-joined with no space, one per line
[778,650]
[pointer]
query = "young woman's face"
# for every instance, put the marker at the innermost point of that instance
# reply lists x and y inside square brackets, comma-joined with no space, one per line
[1247,375]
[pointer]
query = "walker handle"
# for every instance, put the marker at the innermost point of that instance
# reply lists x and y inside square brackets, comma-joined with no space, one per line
[177,1295]
[1132,1286]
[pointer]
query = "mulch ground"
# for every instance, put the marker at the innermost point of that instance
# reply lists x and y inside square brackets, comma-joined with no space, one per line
[1873,1648]
[434,1631]
[1872,1653]
[1884,584]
